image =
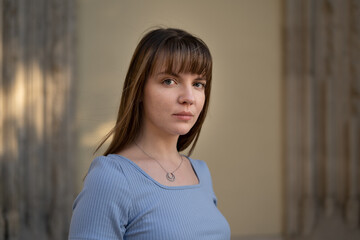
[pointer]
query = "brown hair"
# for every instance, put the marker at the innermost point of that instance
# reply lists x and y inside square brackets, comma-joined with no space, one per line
[177,52]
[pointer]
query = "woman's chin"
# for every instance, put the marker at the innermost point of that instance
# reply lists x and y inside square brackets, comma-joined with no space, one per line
[183,131]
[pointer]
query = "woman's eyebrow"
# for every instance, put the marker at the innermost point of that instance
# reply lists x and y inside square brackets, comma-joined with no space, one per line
[201,78]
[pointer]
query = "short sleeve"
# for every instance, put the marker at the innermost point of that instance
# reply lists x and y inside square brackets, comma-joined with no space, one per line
[102,208]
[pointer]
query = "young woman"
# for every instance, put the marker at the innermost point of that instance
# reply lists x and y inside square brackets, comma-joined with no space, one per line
[142,188]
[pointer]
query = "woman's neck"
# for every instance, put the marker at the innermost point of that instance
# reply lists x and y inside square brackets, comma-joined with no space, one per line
[159,147]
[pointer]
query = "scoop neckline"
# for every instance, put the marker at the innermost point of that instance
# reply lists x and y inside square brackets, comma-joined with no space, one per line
[156,182]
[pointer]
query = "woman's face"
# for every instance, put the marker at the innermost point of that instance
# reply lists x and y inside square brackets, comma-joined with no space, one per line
[172,102]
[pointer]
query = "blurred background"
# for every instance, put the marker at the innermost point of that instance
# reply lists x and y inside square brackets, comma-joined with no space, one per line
[282,134]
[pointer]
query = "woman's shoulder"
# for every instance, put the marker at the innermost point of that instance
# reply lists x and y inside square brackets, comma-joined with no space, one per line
[200,166]
[106,172]
[197,163]
[107,163]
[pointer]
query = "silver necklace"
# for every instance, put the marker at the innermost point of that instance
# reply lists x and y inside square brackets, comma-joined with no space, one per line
[170,176]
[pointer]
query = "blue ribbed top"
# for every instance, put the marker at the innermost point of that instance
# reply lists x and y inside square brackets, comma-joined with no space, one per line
[121,201]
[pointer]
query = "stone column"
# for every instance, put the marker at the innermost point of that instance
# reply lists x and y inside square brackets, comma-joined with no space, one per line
[322,79]
[36,118]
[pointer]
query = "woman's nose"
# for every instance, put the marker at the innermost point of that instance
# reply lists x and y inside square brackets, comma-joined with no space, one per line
[187,96]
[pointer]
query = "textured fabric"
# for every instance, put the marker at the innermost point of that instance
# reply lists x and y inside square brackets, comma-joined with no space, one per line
[121,201]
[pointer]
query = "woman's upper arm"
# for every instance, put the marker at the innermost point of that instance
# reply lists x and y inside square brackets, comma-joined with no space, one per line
[102,208]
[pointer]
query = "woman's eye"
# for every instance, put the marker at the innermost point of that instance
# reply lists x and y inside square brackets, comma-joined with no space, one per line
[199,85]
[169,82]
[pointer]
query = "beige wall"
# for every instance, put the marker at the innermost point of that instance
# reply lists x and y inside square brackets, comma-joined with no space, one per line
[241,139]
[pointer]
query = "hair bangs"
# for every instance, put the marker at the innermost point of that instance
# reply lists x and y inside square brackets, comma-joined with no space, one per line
[183,56]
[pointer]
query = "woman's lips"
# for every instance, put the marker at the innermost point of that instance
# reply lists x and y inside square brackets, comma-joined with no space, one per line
[184,116]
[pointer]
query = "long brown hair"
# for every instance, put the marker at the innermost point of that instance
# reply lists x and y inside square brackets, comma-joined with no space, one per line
[174,50]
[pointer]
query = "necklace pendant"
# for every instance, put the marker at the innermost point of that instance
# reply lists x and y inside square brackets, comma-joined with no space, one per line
[170,177]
